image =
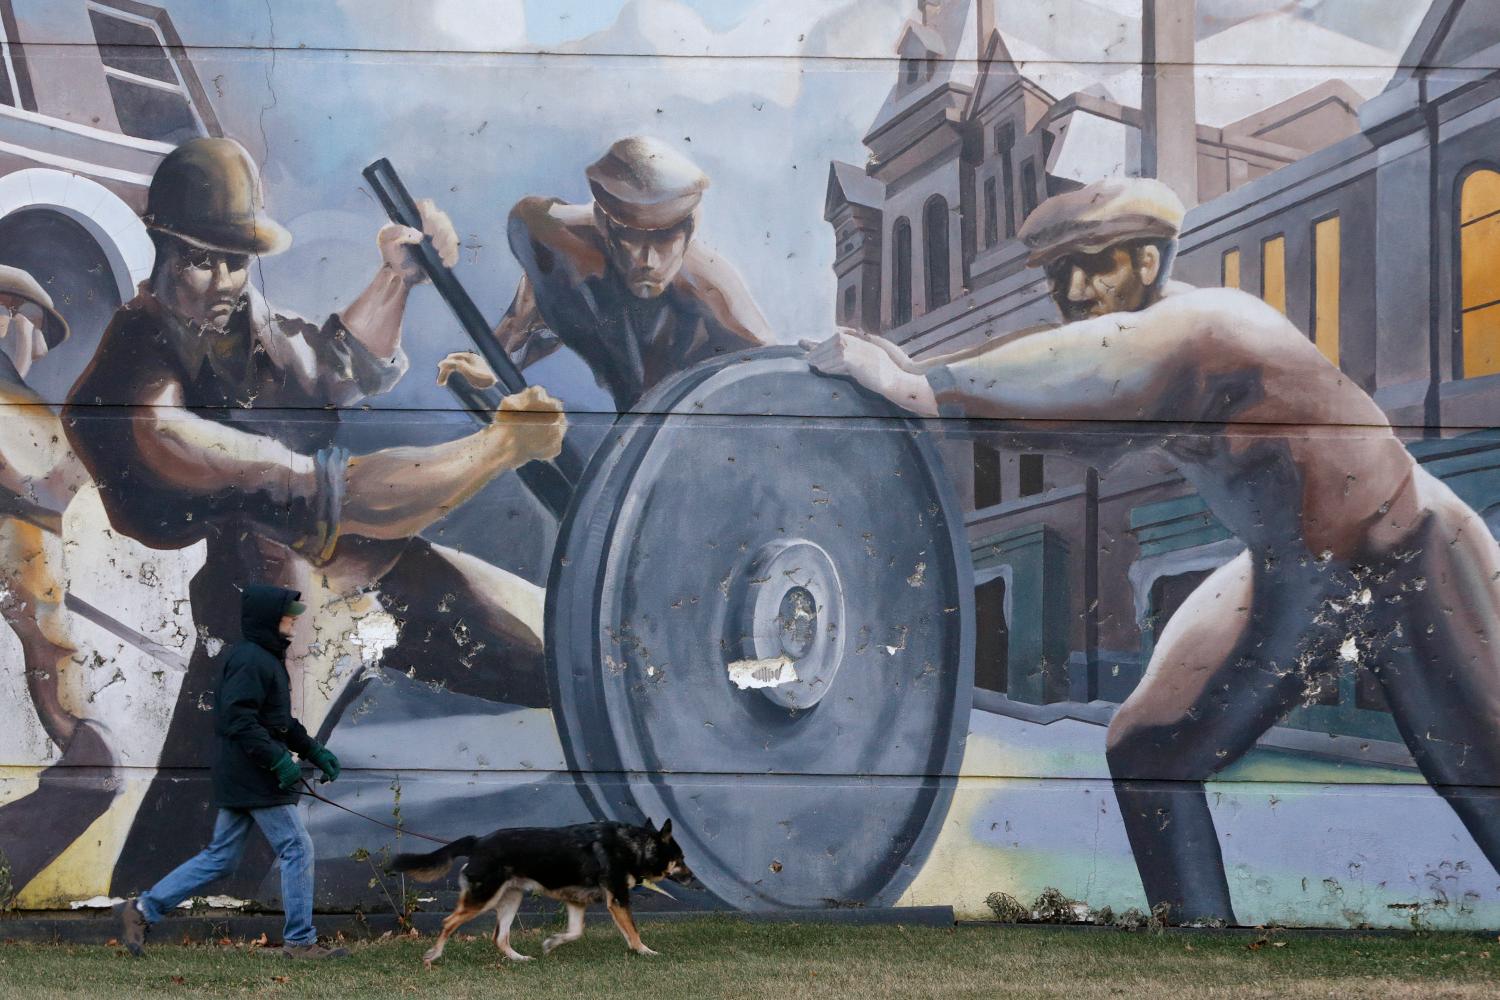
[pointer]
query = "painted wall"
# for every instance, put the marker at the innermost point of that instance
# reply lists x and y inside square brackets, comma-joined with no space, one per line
[858,658]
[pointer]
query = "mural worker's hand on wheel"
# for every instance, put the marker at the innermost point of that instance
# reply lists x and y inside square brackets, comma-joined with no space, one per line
[878,365]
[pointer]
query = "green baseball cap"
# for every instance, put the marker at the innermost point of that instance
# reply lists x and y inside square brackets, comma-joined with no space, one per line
[295,608]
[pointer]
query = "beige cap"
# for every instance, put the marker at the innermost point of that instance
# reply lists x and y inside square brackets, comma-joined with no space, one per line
[645,184]
[20,284]
[1100,215]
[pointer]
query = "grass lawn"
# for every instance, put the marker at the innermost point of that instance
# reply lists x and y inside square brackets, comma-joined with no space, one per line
[722,957]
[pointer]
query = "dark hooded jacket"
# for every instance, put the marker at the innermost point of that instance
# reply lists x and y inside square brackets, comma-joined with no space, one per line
[253,707]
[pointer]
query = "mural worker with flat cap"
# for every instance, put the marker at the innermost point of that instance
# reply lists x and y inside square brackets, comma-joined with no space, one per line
[208,416]
[1345,534]
[621,281]
[254,779]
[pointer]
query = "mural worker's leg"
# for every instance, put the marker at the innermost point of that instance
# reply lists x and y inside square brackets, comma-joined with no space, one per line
[1441,670]
[78,787]
[467,624]
[70,795]
[1225,669]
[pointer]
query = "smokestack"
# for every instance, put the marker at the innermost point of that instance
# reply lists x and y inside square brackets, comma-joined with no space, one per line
[985,14]
[1169,118]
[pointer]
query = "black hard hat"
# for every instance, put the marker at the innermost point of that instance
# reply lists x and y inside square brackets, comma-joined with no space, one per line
[207,192]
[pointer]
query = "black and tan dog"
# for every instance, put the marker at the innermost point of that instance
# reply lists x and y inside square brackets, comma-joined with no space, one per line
[588,863]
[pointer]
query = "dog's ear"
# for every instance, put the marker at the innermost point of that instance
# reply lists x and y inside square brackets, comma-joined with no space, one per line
[666,830]
[651,824]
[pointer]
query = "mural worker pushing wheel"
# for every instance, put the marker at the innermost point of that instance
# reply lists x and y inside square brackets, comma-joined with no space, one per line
[1347,539]
[766,646]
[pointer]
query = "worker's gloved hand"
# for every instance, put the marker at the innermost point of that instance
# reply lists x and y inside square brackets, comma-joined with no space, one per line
[326,761]
[287,772]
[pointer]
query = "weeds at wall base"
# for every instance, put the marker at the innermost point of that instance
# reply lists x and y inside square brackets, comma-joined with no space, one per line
[1055,907]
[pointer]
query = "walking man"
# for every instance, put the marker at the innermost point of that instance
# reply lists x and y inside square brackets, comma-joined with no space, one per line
[1346,536]
[254,778]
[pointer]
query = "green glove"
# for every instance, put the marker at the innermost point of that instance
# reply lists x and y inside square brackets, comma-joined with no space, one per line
[287,772]
[326,761]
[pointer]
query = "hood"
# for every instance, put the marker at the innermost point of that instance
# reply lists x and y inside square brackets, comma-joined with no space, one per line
[261,609]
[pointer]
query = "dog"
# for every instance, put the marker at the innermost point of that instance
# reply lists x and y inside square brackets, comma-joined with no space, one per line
[587,863]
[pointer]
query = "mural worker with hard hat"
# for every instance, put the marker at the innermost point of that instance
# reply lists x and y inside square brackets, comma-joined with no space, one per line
[39,474]
[254,778]
[1347,539]
[621,281]
[206,415]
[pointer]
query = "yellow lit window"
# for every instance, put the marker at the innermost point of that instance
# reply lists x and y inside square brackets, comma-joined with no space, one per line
[1326,287]
[1230,273]
[1479,256]
[1273,272]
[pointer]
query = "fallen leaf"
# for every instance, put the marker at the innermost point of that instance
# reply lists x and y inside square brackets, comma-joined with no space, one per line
[261,942]
[281,979]
[1190,947]
[224,942]
[112,943]
[179,981]
[1278,944]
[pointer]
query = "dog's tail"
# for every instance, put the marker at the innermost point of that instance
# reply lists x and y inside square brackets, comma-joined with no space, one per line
[433,866]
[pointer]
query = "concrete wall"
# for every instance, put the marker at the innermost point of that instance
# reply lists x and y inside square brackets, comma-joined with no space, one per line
[755,610]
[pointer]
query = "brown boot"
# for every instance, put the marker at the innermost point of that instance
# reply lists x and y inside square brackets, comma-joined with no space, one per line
[133,928]
[314,951]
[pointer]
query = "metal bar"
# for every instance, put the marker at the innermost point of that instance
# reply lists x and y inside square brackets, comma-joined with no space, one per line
[118,629]
[551,483]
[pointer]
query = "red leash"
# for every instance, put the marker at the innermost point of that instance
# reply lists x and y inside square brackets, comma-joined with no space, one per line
[310,791]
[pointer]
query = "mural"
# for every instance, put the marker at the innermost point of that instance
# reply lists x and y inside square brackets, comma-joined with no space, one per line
[1106,509]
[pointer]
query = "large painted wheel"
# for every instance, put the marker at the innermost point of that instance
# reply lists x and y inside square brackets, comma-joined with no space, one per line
[759,624]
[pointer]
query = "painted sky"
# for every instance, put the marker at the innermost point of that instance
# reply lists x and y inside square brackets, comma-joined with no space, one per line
[480,103]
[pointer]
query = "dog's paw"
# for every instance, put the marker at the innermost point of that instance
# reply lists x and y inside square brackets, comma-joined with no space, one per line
[643,950]
[550,944]
[516,956]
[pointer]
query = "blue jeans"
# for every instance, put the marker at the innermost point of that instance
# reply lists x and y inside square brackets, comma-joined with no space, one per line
[282,826]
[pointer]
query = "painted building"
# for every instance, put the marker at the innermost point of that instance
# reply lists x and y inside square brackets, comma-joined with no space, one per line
[1292,210]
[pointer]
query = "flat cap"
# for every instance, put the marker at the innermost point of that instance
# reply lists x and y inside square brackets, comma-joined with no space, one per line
[645,184]
[1100,215]
[19,284]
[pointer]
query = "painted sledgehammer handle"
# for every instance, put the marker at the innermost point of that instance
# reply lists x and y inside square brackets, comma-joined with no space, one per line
[551,483]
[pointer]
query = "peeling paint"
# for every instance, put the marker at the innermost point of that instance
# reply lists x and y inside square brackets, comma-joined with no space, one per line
[374,634]
[767,673]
